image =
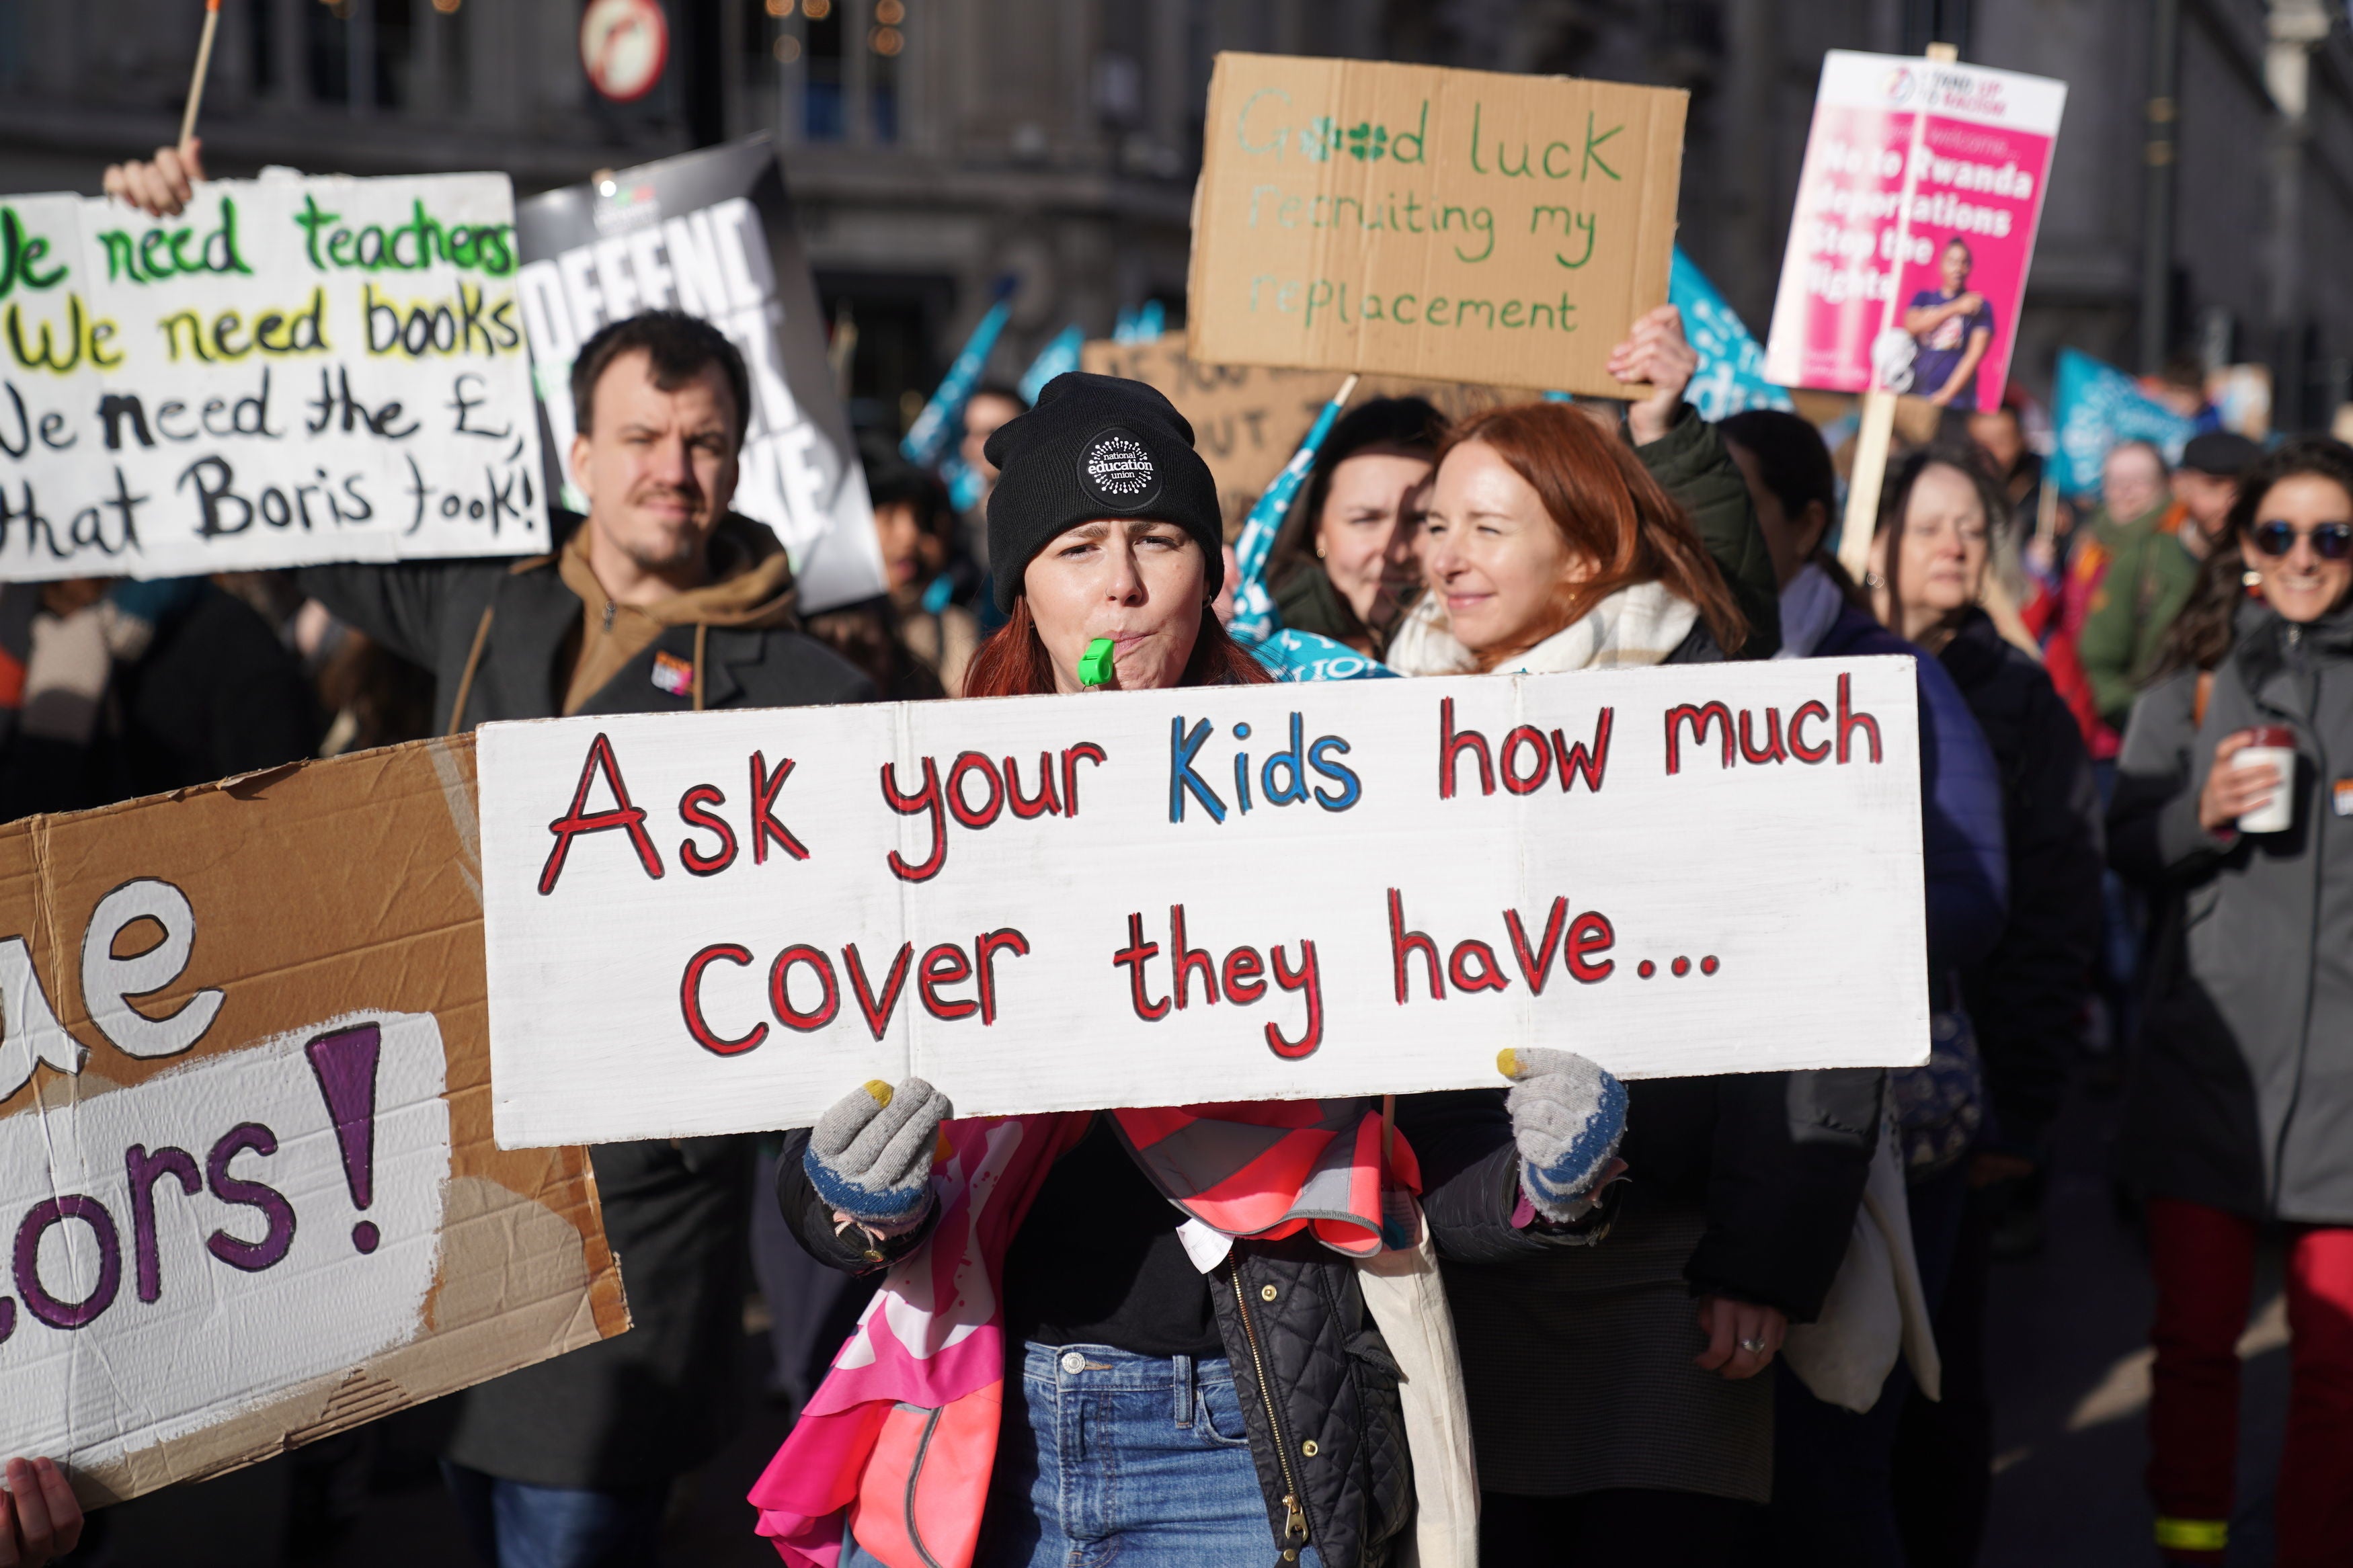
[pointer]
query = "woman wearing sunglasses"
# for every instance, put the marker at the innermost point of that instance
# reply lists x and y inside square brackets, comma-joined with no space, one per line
[2234,803]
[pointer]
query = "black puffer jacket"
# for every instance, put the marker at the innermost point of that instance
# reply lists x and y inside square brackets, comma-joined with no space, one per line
[1314,1375]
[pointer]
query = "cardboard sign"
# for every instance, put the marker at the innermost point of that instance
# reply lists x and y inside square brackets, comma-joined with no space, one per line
[292,370]
[1916,209]
[1462,224]
[1248,420]
[715,922]
[711,234]
[246,1184]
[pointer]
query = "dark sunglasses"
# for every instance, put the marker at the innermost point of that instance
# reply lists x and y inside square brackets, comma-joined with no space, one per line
[2330,541]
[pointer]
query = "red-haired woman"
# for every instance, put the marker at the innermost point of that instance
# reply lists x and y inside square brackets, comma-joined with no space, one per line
[1175,1390]
[1642,1433]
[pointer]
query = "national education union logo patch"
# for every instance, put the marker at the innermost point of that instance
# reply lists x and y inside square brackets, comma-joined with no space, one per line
[1117,470]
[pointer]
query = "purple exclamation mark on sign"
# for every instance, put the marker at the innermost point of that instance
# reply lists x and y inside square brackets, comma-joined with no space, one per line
[345,1062]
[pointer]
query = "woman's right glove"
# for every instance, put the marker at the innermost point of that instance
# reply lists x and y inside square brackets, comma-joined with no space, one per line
[869,1156]
[1568,1115]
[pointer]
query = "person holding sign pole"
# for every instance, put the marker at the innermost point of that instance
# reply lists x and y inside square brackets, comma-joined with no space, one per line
[1930,557]
[1638,1431]
[1683,456]
[1190,1368]
[2234,806]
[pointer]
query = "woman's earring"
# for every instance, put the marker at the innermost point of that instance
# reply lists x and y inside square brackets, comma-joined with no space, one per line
[1319,550]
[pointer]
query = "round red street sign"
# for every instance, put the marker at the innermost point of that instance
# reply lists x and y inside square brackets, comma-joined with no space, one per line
[623,46]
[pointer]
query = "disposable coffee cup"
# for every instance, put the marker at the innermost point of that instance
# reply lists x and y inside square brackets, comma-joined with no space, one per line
[2274,744]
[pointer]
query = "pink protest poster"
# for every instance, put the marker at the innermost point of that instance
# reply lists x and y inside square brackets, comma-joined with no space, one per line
[1914,225]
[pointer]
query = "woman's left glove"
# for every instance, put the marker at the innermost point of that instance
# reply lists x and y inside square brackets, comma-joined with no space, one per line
[870,1155]
[1568,1115]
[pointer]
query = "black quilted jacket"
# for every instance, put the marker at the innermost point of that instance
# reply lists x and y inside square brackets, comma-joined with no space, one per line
[1314,1375]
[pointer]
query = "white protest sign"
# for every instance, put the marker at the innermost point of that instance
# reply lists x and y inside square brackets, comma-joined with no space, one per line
[292,370]
[719,922]
[207,1169]
[711,232]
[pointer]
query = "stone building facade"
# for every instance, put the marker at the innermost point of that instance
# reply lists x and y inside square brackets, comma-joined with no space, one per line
[935,146]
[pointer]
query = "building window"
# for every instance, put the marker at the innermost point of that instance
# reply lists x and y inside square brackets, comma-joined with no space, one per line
[823,89]
[374,42]
[886,40]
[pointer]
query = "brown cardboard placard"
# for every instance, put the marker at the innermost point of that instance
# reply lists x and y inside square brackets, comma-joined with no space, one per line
[248,1188]
[1248,419]
[1467,226]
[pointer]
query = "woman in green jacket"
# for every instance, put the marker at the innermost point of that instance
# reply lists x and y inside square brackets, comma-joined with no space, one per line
[1344,566]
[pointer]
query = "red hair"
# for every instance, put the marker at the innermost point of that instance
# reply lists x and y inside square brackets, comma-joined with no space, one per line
[1608,509]
[1014,663]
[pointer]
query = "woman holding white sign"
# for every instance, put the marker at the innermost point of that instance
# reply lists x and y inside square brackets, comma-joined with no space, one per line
[1189,1384]
[1637,1435]
[2234,805]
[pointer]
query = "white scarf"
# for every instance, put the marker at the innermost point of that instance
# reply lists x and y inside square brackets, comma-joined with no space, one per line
[1636,625]
[1809,605]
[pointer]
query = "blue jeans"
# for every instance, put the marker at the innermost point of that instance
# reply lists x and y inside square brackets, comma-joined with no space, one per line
[1110,1455]
[513,1524]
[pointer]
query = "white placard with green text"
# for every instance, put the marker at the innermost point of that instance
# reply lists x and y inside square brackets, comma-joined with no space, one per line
[293,370]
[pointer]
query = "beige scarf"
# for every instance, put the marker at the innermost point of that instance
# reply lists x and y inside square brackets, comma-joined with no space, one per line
[1636,625]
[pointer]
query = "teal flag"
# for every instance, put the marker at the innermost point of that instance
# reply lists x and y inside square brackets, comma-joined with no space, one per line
[1143,324]
[934,429]
[1058,357]
[1731,375]
[1255,617]
[1295,656]
[2096,405]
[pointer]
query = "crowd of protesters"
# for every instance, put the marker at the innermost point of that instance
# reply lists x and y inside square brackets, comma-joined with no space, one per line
[1710,1321]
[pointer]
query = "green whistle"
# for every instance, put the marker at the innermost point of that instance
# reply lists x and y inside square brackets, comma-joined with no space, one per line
[1095,665]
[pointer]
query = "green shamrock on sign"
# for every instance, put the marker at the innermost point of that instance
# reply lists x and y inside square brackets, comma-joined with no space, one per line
[1320,138]
[1368,144]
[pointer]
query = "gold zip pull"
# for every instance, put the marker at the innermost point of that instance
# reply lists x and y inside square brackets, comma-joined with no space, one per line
[1296,1524]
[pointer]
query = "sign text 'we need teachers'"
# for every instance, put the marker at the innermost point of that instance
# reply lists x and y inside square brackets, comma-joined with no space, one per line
[1462,225]
[718,923]
[295,369]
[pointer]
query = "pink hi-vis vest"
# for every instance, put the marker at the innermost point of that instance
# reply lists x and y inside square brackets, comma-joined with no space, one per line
[897,1445]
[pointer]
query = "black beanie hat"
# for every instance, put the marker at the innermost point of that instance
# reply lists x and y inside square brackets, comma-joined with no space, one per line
[1095,446]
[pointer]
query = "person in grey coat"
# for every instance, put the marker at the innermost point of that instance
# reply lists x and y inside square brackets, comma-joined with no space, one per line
[2242,1110]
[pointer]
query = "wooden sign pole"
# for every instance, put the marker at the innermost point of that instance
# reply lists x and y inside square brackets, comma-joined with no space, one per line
[204,64]
[1870,443]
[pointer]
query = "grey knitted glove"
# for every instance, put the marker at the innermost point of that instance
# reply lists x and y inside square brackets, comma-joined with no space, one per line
[870,1157]
[1568,1115]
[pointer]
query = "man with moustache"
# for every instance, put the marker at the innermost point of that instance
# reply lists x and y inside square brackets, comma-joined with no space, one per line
[660,600]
